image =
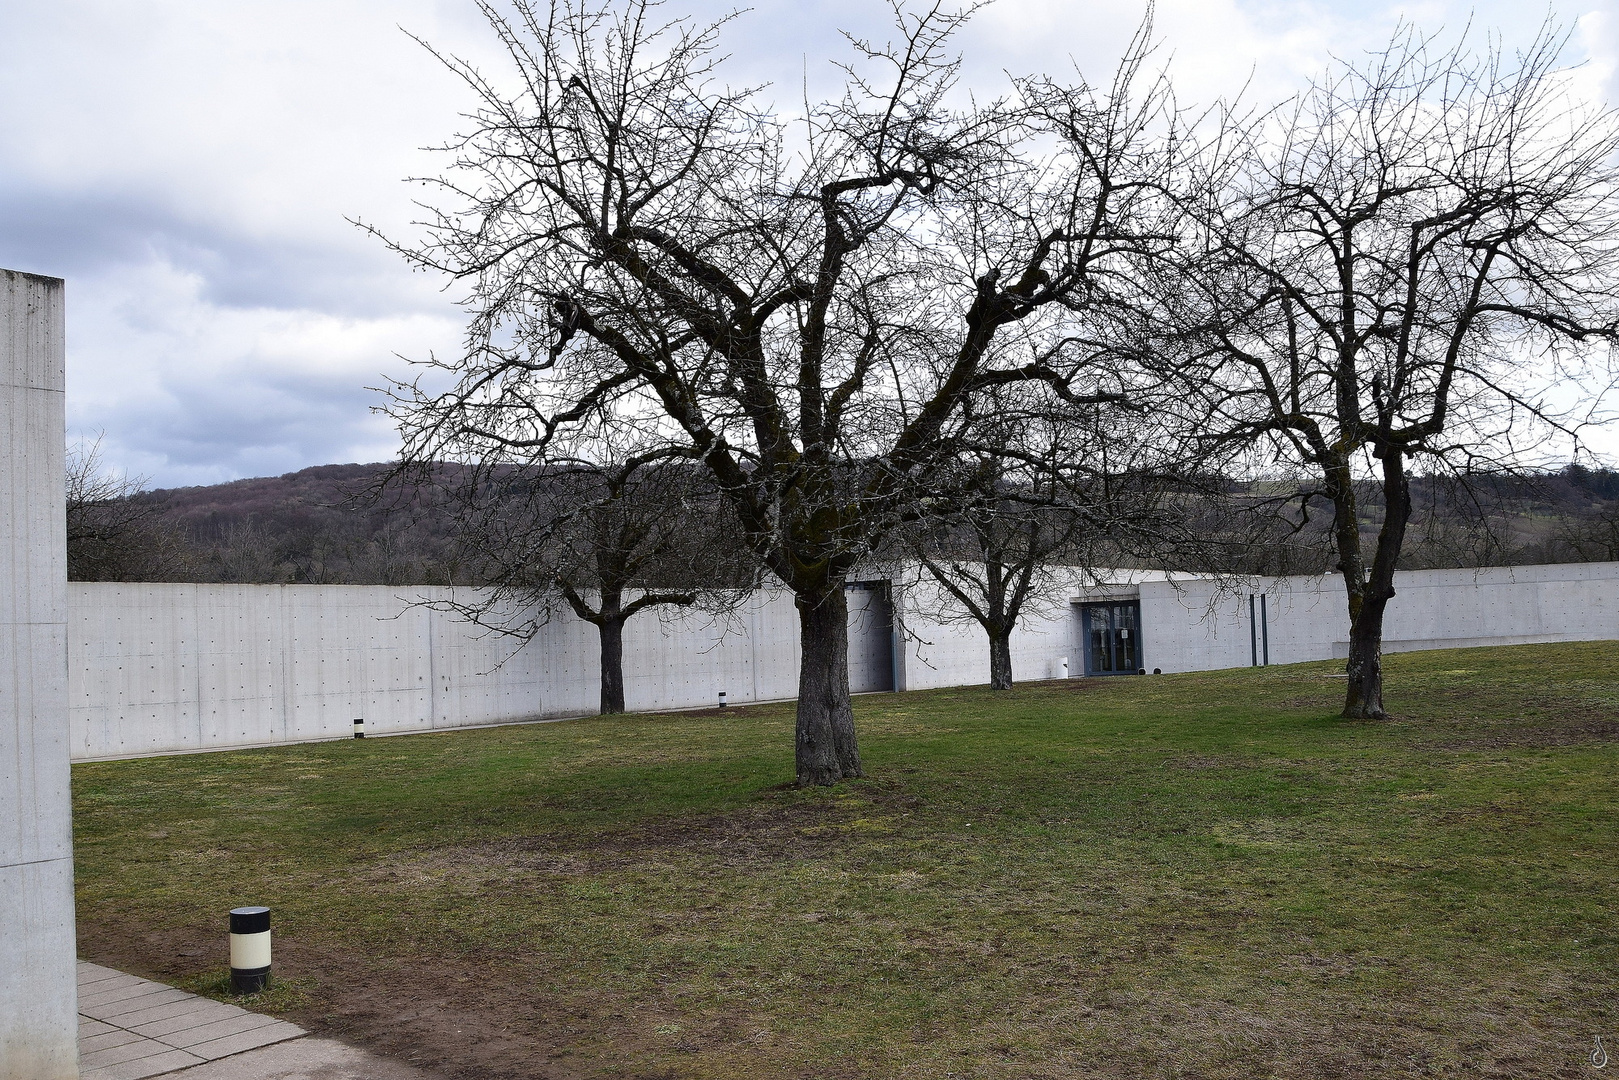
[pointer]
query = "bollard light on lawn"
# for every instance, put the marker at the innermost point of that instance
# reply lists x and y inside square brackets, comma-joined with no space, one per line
[249,949]
[1062,666]
[359,727]
[722,699]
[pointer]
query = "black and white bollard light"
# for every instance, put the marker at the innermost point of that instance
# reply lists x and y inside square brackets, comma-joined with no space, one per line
[359,727]
[722,699]
[249,949]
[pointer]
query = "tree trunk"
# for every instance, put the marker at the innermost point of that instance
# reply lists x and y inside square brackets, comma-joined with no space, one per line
[1363,699]
[1340,486]
[826,751]
[1000,658]
[612,648]
[610,625]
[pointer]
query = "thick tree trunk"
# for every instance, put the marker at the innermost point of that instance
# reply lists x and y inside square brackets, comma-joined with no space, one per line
[826,751]
[612,648]
[1364,698]
[1340,486]
[610,626]
[1000,658]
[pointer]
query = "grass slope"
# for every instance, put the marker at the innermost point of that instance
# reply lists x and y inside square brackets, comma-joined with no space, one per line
[1204,875]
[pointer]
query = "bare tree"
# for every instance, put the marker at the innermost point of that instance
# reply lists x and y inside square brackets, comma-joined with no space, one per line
[115,531]
[606,542]
[1411,265]
[1047,498]
[805,307]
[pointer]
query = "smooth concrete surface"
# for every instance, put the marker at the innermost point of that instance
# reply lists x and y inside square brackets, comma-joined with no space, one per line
[307,1059]
[940,646]
[1197,625]
[38,1024]
[175,668]
[132,1028]
[166,668]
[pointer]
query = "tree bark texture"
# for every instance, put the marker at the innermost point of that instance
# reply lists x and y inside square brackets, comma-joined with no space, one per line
[825,748]
[1364,697]
[1000,658]
[612,665]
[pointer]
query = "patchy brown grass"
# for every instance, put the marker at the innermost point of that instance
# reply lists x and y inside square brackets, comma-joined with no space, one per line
[1184,876]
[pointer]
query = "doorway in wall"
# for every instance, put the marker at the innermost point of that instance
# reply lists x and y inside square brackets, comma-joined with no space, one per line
[871,637]
[1111,633]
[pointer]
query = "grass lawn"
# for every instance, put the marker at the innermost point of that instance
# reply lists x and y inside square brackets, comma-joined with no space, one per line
[1202,875]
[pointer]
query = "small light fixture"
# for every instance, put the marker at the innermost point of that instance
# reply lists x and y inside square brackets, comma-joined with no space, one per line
[249,949]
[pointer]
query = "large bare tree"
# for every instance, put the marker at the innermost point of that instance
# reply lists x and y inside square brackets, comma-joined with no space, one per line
[802,305]
[1417,262]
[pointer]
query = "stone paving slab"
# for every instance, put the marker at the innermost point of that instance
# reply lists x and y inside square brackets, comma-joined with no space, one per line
[157,1065]
[309,1058]
[245,1040]
[220,1029]
[196,1014]
[132,1028]
[200,1039]
[105,1040]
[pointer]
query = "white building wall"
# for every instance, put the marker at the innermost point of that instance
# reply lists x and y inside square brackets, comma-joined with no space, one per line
[938,651]
[160,668]
[164,668]
[38,992]
[1196,625]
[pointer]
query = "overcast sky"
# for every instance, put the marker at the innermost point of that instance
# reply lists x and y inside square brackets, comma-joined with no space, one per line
[188,166]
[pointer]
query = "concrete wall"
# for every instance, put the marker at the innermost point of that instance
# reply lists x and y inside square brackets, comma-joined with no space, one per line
[38,994]
[940,647]
[160,668]
[164,668]
[1193,625]
[1199,624]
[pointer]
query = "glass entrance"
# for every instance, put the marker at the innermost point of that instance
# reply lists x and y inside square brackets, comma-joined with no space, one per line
[1112,641]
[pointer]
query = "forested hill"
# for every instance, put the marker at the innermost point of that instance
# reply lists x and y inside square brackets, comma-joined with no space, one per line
[321,525]
[326,525]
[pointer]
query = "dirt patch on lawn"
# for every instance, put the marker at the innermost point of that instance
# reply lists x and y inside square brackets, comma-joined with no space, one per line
[490,1016]
[463,1019]
[773,834]
[1574,729]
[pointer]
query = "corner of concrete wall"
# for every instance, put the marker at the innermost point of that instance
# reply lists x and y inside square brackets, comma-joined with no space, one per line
[38,989]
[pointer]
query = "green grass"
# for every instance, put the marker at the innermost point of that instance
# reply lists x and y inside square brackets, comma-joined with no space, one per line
[1204,875]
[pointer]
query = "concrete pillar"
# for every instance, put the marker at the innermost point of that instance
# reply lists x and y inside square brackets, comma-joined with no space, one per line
[38,991]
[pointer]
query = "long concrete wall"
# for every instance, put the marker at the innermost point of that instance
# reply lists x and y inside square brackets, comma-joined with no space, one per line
[1196,625]
[165,668]
[160,668]
[1192,623]
[38,993]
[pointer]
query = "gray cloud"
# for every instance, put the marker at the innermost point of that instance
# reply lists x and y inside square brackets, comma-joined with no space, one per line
[188,166]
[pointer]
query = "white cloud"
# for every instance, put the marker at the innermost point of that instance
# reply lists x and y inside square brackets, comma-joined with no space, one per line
[189,164]
[206,393]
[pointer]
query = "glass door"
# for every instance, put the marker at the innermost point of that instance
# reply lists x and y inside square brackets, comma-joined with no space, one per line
[1112,641]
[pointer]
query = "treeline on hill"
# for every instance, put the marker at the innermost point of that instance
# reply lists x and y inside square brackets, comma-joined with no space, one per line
[339,524]
[326,525]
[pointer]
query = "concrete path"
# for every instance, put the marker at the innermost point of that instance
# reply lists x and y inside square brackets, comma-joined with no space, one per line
[132,1028]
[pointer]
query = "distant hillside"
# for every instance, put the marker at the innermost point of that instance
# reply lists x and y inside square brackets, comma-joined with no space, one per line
[323,525]
[1570,515]
[331,525]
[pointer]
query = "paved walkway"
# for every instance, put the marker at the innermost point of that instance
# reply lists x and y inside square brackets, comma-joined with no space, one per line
[132,1028]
